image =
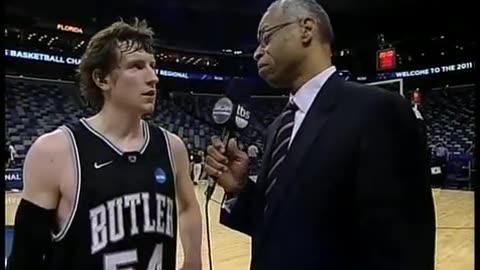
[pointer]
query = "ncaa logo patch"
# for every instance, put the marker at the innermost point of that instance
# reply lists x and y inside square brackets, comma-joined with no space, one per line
[160,176]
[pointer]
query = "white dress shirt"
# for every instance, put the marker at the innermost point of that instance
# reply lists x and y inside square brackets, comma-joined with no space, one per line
[303,98]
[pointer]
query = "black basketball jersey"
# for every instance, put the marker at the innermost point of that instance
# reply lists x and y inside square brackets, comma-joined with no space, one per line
[125,212]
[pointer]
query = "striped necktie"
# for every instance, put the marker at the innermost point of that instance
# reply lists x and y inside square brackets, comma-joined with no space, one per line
[281,144]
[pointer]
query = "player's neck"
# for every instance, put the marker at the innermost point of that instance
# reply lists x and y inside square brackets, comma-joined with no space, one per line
[118,123]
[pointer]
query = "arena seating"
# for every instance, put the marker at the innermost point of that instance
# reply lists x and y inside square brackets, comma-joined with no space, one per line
[34,107]
[450,118]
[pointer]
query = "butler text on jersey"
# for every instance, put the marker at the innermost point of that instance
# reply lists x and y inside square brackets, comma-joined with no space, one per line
[108,223]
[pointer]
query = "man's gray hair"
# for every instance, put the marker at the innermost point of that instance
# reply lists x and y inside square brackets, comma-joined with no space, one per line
[302,8]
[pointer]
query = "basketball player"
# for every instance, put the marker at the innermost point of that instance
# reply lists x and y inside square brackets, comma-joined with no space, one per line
[102,193]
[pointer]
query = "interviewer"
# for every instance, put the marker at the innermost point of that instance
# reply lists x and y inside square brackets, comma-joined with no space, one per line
[344,179]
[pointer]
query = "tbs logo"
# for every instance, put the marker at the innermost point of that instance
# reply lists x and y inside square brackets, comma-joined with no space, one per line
[242,117]
[242,112]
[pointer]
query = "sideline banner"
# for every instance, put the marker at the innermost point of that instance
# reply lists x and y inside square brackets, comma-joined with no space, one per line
[13,179]
[431,70]
[68,60]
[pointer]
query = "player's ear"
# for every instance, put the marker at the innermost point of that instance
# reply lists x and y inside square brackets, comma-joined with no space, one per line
[101,80]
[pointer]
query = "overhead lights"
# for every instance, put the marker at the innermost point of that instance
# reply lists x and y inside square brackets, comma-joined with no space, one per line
[344,52]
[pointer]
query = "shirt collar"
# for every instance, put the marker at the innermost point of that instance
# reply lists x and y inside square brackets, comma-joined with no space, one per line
[305,96]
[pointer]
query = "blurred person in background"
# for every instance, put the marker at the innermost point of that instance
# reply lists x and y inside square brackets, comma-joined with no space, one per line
[12,155]
[197,166]
[440,159]
[441,154]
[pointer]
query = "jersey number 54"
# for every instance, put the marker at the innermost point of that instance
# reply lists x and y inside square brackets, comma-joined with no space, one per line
[115,261]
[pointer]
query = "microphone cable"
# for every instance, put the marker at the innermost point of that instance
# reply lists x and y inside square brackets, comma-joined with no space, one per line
[210,262]
[208,196]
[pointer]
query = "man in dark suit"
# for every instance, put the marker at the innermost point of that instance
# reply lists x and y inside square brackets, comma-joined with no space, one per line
[343,183]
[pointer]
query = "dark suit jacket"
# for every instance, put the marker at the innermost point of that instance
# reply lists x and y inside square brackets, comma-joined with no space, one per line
[354,191]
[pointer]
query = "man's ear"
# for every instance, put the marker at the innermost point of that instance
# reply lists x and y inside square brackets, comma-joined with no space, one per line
[101,80]
[308,27]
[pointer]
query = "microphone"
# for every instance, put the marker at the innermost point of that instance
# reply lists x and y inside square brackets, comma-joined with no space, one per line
[230,113]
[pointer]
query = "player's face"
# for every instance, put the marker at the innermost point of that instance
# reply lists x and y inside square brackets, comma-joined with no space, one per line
[280,48]
[134,84]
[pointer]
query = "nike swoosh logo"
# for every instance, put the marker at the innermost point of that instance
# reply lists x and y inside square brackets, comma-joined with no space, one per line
[98,166]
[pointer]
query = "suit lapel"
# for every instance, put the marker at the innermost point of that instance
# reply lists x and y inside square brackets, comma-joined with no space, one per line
[313,123]
[310,129]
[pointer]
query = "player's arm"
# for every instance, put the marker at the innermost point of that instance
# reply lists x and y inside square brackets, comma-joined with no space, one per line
[36,215]
[189,210]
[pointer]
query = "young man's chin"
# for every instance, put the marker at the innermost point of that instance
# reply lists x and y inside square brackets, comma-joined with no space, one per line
[147,109]
[141,109]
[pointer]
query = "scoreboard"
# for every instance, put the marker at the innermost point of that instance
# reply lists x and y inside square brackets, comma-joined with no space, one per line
[386,59]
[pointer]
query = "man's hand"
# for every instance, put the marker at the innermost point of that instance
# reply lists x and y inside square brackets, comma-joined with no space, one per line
[230,167]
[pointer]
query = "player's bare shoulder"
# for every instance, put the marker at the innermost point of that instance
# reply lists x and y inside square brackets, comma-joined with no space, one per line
[50,148]
[176,143]
[178,151]
[57,139]
[45,165]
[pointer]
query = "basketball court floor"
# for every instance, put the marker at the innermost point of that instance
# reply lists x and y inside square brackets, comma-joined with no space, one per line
[231,250]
